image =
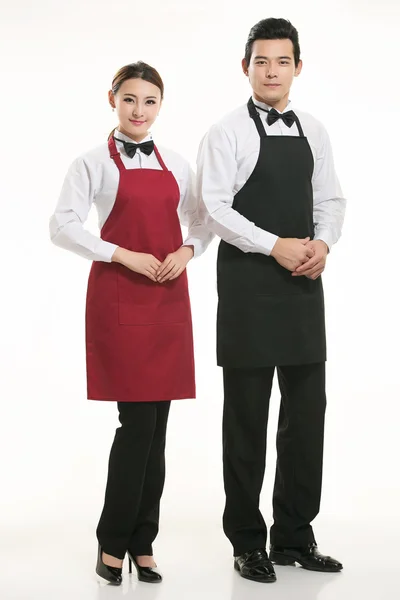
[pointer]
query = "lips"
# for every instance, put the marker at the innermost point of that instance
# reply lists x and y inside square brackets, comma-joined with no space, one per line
[136,122]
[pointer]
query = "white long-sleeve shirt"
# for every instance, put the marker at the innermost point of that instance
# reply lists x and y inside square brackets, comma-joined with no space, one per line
[228,155]
[93,179]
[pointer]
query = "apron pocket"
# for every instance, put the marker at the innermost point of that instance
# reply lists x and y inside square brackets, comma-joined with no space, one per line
[143,302]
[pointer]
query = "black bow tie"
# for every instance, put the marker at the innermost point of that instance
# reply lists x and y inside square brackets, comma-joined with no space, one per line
[288,117]
[130,147]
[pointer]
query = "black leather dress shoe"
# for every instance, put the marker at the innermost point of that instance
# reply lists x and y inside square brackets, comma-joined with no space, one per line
[308,557]
[146,574]
[111,574]
[256,566]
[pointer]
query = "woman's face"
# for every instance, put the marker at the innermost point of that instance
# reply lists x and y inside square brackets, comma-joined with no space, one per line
[137,103]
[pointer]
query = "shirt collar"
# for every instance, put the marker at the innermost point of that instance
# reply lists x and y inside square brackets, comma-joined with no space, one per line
[126,138]
[267,107]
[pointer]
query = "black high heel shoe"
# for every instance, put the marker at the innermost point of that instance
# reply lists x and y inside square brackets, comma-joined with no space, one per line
[146,574]
[111,574]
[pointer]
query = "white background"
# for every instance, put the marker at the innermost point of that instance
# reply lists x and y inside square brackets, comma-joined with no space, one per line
[58,60]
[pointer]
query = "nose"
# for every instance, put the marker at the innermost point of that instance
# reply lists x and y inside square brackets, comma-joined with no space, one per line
[137,110]
[271,71]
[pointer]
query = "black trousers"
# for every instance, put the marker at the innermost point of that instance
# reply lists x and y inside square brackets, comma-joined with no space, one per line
[136,475]
[300,437]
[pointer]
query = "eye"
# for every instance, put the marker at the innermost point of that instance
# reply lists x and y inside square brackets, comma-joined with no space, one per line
[285,62]
[129,100]
[150,102]
[261,62]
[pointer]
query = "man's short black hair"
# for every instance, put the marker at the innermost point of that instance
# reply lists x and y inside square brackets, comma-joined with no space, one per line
[273,29]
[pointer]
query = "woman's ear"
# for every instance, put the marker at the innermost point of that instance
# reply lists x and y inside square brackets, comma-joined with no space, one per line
[111,99]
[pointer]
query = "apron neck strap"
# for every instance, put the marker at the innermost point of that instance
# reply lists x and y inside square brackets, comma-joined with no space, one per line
[114,154]
[160,160]
[299,127]
[256,118]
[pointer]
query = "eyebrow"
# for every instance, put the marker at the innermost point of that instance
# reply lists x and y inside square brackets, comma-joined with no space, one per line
[147,97]
[279,57]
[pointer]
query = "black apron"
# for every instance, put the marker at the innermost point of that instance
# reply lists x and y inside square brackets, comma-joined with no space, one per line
[267,317]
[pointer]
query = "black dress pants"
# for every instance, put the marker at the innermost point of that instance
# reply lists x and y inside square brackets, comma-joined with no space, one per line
[300,437]
[135,483]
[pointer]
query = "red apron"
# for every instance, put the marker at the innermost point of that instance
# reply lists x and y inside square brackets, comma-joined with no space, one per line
[139,340]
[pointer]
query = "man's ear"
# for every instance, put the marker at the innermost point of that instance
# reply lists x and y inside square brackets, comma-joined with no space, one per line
[298,68]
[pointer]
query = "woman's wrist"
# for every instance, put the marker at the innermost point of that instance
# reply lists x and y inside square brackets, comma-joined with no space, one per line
[190,250]
[119,255]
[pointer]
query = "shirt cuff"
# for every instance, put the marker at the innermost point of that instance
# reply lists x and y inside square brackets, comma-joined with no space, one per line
[197,246]
[266,242]
[325,236]
[106,251]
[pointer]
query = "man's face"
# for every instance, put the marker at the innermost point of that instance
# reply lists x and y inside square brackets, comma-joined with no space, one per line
[271,71]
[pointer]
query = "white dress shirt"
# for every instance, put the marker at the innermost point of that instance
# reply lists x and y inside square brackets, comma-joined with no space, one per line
[227,157]
[93,178]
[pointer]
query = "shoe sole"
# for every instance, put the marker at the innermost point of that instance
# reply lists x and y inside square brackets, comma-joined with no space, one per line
[237,568]
[104,580]
[286,561]
[148,581]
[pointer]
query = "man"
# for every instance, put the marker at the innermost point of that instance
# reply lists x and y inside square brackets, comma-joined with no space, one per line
[268,188]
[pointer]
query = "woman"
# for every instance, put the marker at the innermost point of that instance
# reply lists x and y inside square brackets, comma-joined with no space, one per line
[139,345]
